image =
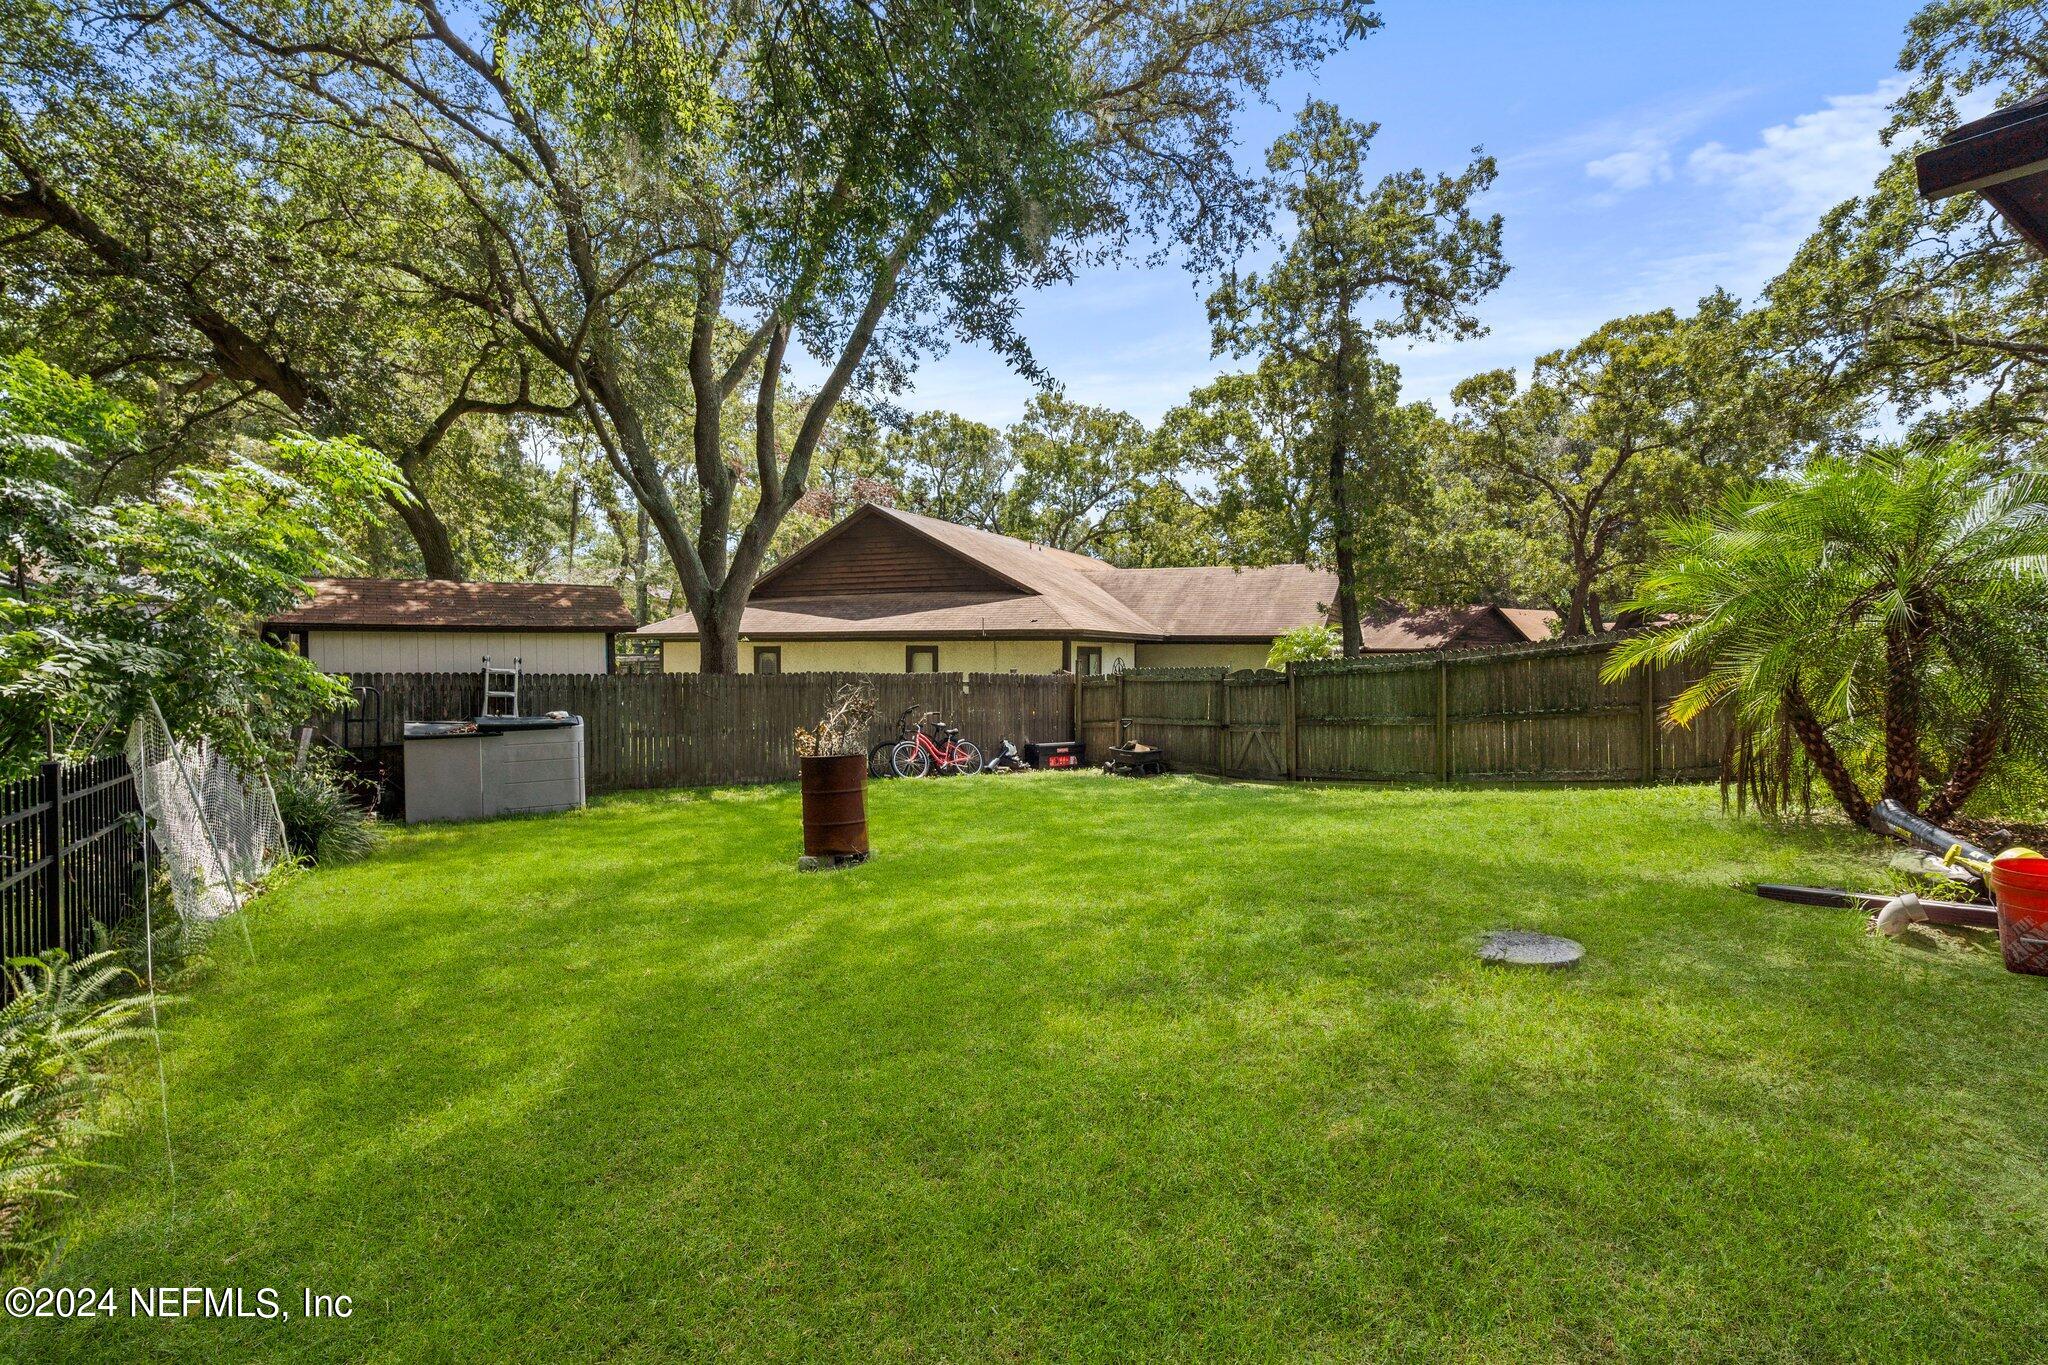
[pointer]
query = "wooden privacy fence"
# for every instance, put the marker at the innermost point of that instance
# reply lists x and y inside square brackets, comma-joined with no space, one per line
[1532,713]
[699,729]
[70,854]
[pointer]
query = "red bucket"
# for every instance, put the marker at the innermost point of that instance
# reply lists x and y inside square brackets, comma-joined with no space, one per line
[2021,885]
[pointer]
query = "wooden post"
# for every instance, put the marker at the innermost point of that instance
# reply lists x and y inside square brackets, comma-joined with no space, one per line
[52,785]
[1293,736]
[1443,719]
[1223,730]
[1650,722]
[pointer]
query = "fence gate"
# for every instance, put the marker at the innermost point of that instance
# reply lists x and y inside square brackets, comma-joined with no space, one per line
[1098,717]
[1255,724]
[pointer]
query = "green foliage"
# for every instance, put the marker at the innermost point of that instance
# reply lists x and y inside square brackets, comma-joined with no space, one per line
[1900,599]
[1938,310]
[322,823]
[946,466]
[643,208]
[162,596]
[1305,643]
[1087,479]
[63,1018]
[1405,256]
[1648,416]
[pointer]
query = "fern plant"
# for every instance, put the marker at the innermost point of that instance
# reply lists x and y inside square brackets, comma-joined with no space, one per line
[63,1016]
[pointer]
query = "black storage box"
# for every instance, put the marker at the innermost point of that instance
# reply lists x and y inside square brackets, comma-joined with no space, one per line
[1064,753]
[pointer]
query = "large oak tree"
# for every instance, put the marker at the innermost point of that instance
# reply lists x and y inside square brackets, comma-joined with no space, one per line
[862,182]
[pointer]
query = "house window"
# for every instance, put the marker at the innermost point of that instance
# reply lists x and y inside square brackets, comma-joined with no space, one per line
[767,658]
[1088,661]
[921,659]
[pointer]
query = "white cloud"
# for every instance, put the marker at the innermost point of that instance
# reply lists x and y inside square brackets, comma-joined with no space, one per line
[1634,168]
[1799,170]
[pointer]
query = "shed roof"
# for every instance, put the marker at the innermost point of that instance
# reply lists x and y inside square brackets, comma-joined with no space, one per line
[444,604]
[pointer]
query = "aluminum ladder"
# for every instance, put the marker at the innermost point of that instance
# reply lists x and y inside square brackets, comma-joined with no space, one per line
[494,694]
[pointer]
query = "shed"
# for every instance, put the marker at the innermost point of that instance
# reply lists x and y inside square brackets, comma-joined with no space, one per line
[437,625]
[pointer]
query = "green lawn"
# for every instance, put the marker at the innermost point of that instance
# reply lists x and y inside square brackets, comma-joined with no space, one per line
[1080,1067]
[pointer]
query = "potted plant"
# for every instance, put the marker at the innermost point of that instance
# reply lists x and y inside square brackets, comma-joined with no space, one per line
[832,761]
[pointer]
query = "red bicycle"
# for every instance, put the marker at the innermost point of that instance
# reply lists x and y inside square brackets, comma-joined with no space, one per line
[920,755]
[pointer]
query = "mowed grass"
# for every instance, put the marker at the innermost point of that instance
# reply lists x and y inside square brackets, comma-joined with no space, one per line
[1087,1068]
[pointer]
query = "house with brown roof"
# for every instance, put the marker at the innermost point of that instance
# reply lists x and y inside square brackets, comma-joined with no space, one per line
[435,625]
[888,591]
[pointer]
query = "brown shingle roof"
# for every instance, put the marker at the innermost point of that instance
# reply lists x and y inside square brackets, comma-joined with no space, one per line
[1221,603]
[1535,623]
[442,604]
[1070,595]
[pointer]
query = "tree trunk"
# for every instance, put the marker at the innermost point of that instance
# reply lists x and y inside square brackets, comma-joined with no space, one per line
[640,565]
[1342,530]
[1971,766]
[575,508]
[1347,561]
[437,550]
[1814,740]
[1575,613]
[718,646]
[1901,720]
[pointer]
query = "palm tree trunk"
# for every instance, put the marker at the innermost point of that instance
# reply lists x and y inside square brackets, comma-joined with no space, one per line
[1901,720]
[1814,740]
[1971,765]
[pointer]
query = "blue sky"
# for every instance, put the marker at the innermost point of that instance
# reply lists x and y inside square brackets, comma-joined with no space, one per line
[1649,150]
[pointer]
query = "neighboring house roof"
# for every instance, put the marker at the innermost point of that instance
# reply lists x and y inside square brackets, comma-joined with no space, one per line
[1536,623]
[1441,628]
[443,604]
[882,572]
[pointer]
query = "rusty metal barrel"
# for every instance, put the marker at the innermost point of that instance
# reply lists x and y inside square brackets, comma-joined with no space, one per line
[835,805]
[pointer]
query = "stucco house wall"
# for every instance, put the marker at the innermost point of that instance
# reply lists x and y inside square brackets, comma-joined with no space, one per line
[888,655]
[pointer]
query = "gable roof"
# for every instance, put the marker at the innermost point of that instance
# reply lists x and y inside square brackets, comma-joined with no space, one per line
[1535,623]
[444,604]
[1036,590]
[1054,593]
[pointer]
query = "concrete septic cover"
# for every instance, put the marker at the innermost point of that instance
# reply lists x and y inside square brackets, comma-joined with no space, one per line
[1521,948]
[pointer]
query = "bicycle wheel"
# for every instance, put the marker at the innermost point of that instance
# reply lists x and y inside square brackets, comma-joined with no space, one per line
[878,759]
[966,758]
[907,760]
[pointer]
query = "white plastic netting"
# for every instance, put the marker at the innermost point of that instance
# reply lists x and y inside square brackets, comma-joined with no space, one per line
[216,828]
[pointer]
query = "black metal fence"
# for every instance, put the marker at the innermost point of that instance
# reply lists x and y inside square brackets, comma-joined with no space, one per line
[70,854]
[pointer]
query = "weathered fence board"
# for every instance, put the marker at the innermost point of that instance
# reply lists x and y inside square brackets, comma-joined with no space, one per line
[698,729]
[1536,713]
[1532,713]
[1098,709]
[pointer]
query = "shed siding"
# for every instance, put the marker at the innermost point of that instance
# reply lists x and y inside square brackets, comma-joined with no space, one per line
[454,651]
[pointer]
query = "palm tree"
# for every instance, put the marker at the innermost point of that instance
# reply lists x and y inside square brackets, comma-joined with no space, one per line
[1887,613]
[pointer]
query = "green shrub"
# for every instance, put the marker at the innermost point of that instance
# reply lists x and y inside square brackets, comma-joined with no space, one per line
[61,1018]
[322,822]
[1305,643]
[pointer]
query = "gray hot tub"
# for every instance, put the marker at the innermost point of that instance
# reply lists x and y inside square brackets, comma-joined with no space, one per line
[493,765]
